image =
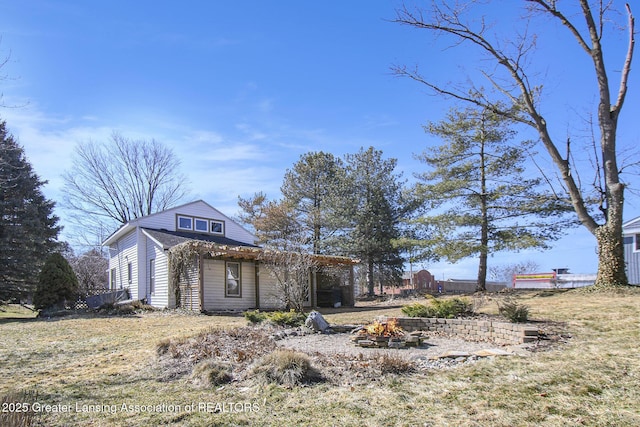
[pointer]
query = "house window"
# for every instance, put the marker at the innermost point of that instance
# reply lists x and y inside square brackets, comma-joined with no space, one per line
[152,276]
[201,225]
[233,284]
[185,223]
[637,243]
[113,278]
[217,227]
[129,273]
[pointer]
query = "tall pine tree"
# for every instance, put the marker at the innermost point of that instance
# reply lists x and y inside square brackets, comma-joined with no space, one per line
[28,227]
[482,199]
[315,188]
[376,209]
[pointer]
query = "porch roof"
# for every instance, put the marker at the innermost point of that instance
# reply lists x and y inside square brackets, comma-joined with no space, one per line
[168,239]
[228,248]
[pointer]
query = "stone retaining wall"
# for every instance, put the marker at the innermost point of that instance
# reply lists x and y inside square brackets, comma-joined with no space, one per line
[503,333]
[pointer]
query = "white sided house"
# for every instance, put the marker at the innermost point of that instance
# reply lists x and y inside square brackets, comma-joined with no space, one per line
[631,239]
[193,256]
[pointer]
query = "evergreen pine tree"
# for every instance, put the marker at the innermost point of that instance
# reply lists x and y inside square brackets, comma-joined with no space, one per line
[315,189]
[376,210]
[28,228]
[57,283]
[481,198]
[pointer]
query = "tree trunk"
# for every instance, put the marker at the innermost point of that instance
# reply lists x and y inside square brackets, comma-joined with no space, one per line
[611,265]
[611,262]
[481,285]
[482,273]
[370,279]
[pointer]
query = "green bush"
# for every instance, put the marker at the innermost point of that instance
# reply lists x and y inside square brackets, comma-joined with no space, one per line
[515,312]
[442,308]
[255,316]
[454,307]
[57,284]
[287,318]
[417,310]
[281,318]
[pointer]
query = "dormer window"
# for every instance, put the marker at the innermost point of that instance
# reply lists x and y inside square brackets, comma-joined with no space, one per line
[217,227]
[185,223]
[201,225]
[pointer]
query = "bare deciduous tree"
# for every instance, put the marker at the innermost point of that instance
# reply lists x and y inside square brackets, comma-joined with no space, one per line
[291,271]
[285,257]
[91,270]
[122,179]
[510,72]
[504,273]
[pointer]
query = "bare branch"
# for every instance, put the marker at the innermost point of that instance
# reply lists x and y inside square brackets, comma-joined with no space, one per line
[626,69]
[550,7]
[122,179]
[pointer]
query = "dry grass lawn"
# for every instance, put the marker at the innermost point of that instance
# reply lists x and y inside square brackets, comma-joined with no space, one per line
[84,364]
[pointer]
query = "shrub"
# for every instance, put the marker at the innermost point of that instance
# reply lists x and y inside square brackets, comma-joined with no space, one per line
[140,306]
[255,316]
[57,284]
[210,373]
[443,308]
[163,346]
[417,310]
[515,312]
[287,318]
[286,367]
[282,318]
[454,307]
[393,364]
[124,309]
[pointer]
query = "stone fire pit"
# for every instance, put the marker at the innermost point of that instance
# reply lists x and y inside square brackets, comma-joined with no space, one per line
[389,334]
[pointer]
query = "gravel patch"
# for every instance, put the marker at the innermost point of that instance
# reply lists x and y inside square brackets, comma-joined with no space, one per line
[436,352]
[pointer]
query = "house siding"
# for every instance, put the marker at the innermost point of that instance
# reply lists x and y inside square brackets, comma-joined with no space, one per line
[214,286]
[190,287]
[632,258]
[160,297]
[630,231]
[120,254]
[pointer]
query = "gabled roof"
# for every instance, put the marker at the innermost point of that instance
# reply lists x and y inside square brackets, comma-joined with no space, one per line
[632,226]
[132,224]
[168,239]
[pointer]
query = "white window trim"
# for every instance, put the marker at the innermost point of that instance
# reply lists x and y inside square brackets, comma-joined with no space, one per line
[208,221]
[215,221]
[226,278]
[206,225]
[113,282]
[184,217]
[152,276]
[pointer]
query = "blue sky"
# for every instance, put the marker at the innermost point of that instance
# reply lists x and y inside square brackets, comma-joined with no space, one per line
[241,89]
